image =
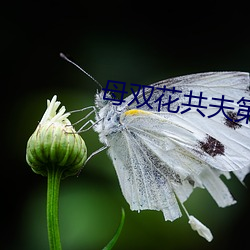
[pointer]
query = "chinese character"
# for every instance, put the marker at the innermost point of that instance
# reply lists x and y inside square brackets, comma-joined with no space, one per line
[221,107]
[159,99]
[147,92]
[246,110]
[115,94]
[200,97]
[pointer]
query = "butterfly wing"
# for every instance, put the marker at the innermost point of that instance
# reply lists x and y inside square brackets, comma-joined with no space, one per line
[234,84]
[162,154]
[225,144]
[142,185]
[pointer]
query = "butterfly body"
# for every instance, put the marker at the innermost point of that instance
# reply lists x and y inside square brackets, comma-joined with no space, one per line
[109,118]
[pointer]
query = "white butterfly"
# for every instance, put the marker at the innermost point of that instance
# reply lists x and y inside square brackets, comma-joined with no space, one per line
[161,156]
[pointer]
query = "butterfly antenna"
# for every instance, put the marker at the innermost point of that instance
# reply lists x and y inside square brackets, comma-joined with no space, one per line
[68,60]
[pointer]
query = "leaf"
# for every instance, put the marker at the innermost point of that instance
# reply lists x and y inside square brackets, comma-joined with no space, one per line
[117,234]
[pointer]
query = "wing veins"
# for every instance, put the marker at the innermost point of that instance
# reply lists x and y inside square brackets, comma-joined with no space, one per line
[131,153]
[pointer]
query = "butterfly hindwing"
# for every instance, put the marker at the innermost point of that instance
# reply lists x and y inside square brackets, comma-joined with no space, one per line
[173,153]
[142,183]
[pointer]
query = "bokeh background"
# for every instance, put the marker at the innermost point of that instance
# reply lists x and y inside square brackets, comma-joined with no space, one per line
[134,42]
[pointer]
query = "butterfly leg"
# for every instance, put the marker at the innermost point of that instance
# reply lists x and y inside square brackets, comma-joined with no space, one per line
[96,152]
[91,155]
[82,128]
[86,116]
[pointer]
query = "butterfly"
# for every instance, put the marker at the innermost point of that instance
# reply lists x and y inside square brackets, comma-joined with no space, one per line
[160,157]
[200,133]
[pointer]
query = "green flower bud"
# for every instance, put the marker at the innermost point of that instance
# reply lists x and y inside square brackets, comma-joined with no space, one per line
[55,144]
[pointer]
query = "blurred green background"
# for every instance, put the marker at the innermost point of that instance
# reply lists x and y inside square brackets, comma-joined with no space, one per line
[123,41]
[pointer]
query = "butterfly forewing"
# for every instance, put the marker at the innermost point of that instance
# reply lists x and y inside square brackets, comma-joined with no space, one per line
[221,142]
[211,84]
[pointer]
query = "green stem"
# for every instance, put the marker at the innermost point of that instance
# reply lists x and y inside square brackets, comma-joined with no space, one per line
[54,177]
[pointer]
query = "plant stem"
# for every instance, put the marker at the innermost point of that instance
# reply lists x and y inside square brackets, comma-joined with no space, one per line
[54,177]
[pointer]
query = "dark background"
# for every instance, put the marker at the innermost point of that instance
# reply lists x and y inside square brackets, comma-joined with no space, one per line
[134,42]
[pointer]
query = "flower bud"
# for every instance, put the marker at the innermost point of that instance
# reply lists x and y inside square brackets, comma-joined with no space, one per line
[55,144]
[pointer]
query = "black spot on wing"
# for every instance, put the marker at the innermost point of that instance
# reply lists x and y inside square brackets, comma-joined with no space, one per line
[212,146]
[191,181]
[231,123]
